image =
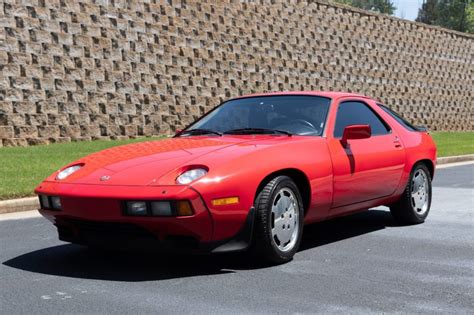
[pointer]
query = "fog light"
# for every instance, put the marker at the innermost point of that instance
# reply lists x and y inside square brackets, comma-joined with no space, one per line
[137,208]
[56,203]
[44,202]
[161,208]
[183,208]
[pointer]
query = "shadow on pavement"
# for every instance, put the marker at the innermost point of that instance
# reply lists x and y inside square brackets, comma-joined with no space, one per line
[78,262]
[342,228]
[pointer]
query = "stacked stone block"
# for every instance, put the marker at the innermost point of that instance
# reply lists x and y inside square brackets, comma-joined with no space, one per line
[92,69]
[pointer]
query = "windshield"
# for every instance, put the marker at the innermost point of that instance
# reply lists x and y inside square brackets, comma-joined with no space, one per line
[290,114]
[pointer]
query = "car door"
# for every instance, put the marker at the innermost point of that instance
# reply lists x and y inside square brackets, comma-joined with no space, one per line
[368,168]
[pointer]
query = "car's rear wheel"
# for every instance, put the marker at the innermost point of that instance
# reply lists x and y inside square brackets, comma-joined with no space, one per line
[278,221]
[414,205]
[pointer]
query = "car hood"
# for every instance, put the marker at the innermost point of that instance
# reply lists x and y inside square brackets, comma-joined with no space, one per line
[145,163]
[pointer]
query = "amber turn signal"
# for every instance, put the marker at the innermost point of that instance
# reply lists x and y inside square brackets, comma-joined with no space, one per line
[225,201]
[183,208]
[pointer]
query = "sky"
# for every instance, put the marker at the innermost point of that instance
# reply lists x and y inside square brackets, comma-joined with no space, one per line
[407,9]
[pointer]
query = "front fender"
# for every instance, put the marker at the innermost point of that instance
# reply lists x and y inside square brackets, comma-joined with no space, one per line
[241,176]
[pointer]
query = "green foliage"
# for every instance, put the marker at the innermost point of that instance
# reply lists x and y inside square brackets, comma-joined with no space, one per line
[381,6]
[470,18]
[428,12]
[457,15]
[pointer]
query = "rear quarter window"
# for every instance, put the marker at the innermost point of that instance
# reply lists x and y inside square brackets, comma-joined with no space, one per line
[398,118]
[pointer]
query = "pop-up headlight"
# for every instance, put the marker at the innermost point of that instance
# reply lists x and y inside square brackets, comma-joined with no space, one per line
[191,175]
[68,171]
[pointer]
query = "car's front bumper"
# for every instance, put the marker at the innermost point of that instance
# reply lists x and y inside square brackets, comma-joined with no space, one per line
[93,214]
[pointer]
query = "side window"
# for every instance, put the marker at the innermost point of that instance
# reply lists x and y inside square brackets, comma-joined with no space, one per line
[358,113]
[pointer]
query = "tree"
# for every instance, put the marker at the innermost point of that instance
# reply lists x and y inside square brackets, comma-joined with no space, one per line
[427,12]
[453,14]
[470,18]
[381,6]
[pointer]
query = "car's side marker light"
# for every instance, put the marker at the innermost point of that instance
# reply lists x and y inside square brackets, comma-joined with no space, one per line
[225,201]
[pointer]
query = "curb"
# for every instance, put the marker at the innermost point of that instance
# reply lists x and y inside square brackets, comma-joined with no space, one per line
[17,205]
[31,203]
[455,159]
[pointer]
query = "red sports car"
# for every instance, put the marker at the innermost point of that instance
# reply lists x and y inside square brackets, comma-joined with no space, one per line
[247,175]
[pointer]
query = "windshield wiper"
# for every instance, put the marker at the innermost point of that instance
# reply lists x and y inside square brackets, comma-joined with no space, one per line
[257,130]
[199,131]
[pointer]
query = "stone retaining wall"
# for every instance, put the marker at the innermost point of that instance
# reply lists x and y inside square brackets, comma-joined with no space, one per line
[84,69]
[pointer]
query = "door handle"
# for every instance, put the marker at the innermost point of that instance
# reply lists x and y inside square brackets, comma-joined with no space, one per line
[397,142]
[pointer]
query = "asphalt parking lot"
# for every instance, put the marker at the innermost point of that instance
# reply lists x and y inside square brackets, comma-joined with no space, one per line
[363,263]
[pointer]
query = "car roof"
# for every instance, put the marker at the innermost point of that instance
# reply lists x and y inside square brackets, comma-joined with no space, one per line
[329,94]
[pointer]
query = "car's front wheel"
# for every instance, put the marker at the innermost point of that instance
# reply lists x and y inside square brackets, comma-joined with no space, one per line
[414,205]
[278,221]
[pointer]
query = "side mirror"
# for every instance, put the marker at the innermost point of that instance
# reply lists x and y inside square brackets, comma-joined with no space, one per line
[355,132]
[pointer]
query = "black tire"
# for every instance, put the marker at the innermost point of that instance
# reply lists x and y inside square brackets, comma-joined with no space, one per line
[404,211]
[265,246]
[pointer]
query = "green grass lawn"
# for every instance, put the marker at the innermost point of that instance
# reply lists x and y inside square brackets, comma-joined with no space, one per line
[454,143]
[21,169]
